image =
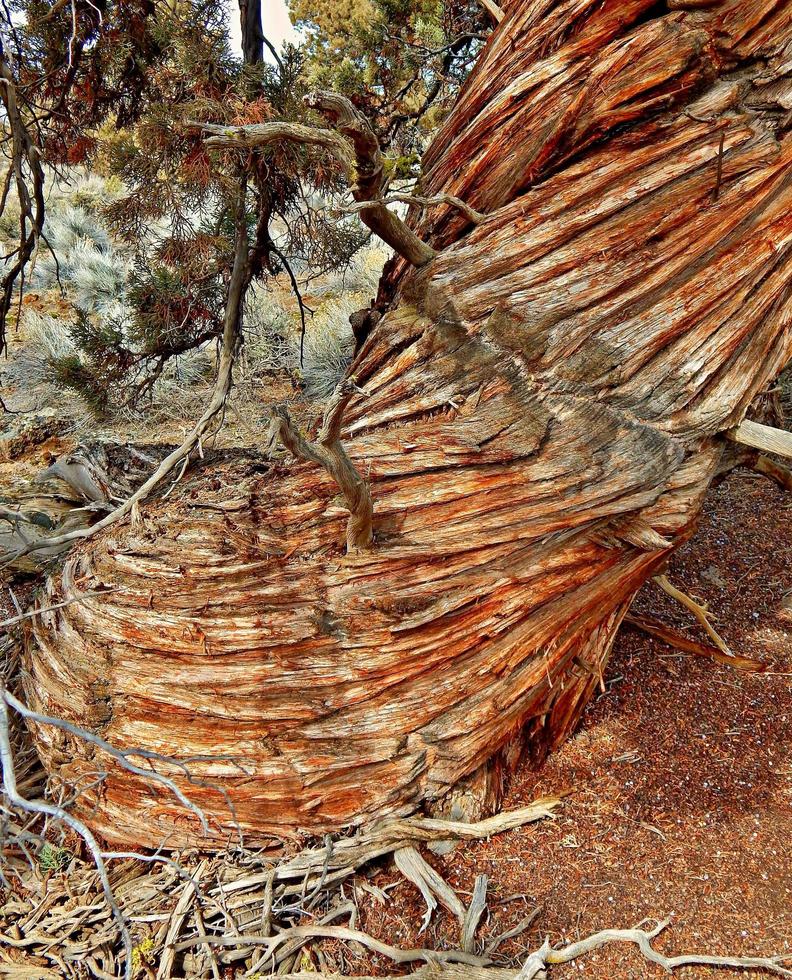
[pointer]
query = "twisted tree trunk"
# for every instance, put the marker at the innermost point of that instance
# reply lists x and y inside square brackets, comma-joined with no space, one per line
[539,414]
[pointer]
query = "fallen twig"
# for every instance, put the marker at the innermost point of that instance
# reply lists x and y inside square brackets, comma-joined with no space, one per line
[701,613]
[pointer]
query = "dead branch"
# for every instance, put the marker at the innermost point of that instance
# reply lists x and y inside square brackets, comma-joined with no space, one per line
[351,853]
[431,885]
[547,956]
[328,452]
[257,135]
[493,10]
[354,145]
[701,613]
[764,437]
[475,217]
[16,620]
[781,475]
[653,627]
[477,907]
[232,897]
[350,935]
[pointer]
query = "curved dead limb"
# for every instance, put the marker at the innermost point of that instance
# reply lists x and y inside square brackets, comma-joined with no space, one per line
[653,627]
[701,613]
[256,135]
[15,799]
[328,452]
[779,474]
[546,956]
[537,962]
[355,146]
[120,755]
[493,10]
[474,216]
[342,932]
[231,340]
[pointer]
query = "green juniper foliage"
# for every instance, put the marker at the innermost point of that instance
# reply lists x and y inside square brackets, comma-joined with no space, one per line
[122,88]
[401,61]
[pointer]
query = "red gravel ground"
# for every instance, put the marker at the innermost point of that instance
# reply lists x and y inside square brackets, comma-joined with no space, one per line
[681,776]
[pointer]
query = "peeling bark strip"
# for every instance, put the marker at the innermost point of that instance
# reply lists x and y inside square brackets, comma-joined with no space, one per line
[546,403]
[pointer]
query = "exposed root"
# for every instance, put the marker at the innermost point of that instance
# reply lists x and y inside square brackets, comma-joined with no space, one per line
[537,963]
[430,884]
[234,906]
[701,613]
[653,627]
[547,956]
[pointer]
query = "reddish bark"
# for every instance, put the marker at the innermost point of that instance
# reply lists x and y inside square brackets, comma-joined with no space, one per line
[546,406]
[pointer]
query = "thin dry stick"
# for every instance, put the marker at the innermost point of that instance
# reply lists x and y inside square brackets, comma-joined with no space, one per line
[120,755]
[701,613]
[176,921]
[653,627]
[15,799]
[15,620]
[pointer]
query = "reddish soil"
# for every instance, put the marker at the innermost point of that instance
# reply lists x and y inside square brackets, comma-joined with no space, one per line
[681,776]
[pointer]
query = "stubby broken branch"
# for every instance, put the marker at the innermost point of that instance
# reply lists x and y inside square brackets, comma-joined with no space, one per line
[329,453]
[355,146]
[764,437]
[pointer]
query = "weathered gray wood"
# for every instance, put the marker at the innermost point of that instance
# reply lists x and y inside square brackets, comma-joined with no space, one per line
[763,437]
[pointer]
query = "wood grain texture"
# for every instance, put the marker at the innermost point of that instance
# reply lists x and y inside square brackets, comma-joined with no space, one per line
[545,405]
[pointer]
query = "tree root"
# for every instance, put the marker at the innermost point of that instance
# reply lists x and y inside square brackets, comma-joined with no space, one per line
[216,903]
[653,627]
[536,964]
[782,475]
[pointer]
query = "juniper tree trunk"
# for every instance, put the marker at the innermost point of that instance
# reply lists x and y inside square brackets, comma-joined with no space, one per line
[545,405]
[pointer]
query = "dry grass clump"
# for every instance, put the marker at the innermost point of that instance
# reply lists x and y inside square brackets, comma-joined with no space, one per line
[88,275]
